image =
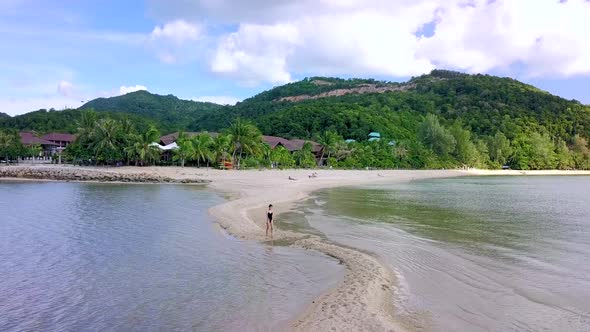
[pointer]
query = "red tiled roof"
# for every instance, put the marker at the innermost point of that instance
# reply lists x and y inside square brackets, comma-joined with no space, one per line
[28,138]
[59,137]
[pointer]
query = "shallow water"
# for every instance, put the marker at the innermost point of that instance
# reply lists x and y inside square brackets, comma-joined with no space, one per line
[474,254]
[99,257]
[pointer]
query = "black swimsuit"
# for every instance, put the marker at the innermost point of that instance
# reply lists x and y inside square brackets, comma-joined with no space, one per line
[269,215]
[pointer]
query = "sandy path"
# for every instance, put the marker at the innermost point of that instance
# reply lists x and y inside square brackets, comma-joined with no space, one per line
[363,301]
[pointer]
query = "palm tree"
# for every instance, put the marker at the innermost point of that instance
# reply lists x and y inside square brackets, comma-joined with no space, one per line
[221,148]
[86,125]
[141,149]
[400,151]
[329,142]
[245,137]
[202,148]
[185,149]
[107,140]
[304,157]
[266,154]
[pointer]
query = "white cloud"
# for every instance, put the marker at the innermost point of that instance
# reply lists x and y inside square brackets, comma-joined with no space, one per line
[276,39]
[178,31]
[221,100]
[173,41]
[128,89]
[65,88]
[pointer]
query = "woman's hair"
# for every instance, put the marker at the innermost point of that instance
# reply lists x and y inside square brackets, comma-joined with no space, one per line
[269,205]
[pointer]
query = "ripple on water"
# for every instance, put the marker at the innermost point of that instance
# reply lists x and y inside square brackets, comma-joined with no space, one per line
[141,257]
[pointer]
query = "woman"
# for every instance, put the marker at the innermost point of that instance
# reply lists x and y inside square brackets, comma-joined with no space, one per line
[269,219]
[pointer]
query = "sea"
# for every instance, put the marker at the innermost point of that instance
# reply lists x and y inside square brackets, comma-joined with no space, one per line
[142,257]
[471,253]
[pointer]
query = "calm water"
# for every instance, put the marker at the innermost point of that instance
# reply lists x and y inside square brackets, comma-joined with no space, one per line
[475,254]
[99,257]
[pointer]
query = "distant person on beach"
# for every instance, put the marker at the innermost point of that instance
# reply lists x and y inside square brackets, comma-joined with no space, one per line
[269,219]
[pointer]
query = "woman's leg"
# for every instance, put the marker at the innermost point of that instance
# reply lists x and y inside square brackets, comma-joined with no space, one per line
[267,222]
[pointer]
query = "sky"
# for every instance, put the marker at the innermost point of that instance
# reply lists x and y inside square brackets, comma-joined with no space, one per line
[58,54]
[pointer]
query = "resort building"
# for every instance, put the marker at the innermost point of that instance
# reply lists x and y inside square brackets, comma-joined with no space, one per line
[292,145]
[48,148]
[51,144]
[62,140]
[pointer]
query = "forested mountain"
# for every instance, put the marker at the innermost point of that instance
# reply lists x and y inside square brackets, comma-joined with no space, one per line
[4,115]
[168,111]
[482,103]
[442,119]
[67,121]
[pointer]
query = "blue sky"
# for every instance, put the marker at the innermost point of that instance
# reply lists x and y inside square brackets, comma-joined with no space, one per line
[58,54]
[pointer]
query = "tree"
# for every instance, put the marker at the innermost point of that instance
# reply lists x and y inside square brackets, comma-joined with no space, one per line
[10,145]
[282,157]
[107,141]
[499,148]
[581,152]
[221,148]
[533,151]
[266,155]
[86,125]
[141,149]
[436,137]
[400,151]
[33,150]
[328,140]
[565,158]
[202,148]
[304,158]
[185,150]
[465,150]
[245,138]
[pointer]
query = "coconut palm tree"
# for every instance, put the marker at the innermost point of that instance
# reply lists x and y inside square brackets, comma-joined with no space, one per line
[221,148]
[266,154]
[329,142]
[185,150]
[107,140]
[202,148]
[86,125]
[141,149]
[304,157]
[245,138]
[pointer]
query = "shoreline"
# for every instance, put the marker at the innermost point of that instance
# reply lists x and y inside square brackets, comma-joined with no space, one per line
[363,299]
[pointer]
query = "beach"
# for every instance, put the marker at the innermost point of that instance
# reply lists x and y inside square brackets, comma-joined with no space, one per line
[363,300]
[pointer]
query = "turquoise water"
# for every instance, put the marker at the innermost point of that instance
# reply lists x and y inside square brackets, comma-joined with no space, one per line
[474,254]
[107,257]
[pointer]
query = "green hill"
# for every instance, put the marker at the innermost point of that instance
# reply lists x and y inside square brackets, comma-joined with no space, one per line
[484,104]
[4,115]
[444,118]
[170,112]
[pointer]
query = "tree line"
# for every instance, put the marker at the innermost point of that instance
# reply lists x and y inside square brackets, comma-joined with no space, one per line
[108,141]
